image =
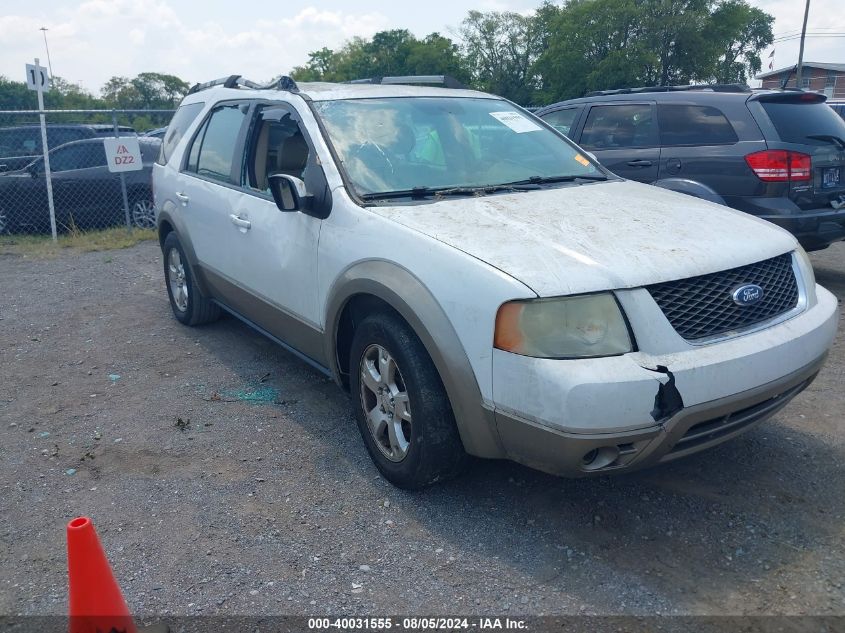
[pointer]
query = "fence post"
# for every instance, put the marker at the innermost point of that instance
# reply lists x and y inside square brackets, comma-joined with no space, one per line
[122,179]
[48,179]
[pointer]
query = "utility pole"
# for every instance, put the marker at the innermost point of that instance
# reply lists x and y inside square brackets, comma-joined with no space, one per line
[799,68]
[44,30]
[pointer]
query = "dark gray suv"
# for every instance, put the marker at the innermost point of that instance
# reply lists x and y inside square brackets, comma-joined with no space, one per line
[776,154]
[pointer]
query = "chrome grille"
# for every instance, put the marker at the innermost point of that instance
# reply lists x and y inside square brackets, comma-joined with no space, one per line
[701,307]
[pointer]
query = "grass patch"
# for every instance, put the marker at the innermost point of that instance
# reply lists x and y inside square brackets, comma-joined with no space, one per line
[43,246]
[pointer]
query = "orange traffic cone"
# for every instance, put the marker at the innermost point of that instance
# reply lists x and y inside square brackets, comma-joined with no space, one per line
[95,604]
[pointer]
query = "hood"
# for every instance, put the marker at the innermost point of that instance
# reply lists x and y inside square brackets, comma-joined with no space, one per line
[599,236]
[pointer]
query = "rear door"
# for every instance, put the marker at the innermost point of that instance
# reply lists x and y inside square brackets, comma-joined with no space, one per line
[802,124]
[623,136]
[86,194]
[209,192]
[699,142]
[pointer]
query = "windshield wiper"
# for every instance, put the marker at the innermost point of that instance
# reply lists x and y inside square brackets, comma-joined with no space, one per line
[544,180]
[426,192]
[830,138]
[416,192]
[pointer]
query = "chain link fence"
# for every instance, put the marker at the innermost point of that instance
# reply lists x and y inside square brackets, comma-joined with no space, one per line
[86,194]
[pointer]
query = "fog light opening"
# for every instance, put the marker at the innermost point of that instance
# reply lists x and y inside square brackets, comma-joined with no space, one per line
[598,458]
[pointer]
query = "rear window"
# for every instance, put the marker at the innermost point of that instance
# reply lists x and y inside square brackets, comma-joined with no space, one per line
[693,125]
[795,122]
[180,122]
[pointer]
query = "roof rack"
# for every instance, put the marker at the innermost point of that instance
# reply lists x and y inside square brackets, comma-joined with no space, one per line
[438,80]
[739,88]
[236,81]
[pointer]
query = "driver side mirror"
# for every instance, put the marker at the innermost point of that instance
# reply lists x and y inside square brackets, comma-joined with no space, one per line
[289,193]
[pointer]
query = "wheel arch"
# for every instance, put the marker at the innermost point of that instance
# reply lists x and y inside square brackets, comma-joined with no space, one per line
[166,224]
[691,188]
[379,285]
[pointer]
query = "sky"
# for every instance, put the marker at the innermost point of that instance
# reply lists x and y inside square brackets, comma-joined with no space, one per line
[93,40]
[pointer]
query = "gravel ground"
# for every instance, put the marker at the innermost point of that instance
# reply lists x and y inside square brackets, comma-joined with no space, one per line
[227,477]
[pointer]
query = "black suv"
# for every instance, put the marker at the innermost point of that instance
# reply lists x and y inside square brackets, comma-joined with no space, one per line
[776,154]
[21,144]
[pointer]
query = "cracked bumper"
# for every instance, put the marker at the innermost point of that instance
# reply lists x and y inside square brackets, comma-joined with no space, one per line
[580,417]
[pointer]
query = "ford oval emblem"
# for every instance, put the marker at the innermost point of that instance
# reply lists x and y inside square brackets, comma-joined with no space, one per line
[747,295]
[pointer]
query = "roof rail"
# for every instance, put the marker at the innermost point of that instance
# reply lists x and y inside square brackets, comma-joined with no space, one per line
[236,81]
[439,80]
[739,88]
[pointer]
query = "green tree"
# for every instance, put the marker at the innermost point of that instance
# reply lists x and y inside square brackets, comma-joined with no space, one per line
[739,33]
[146,91]
[118,92]
[388,53]
[606,44]
[501,49]
[436,55]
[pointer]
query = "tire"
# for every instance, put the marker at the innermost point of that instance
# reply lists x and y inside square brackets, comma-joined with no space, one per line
[189,305]
[424,447]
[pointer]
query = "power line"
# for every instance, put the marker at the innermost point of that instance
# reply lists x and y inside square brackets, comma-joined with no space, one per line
[795,37]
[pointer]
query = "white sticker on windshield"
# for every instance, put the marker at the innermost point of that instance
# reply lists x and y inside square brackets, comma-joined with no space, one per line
[516,122]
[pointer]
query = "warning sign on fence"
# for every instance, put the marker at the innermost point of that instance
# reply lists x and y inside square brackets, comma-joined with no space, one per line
[123,154]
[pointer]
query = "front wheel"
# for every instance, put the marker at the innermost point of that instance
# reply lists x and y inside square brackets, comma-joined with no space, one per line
[401,406]
[189,305]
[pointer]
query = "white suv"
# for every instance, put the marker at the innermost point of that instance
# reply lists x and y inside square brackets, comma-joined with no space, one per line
[478,283]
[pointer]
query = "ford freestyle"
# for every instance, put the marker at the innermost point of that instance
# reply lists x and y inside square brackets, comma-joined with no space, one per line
[477,282]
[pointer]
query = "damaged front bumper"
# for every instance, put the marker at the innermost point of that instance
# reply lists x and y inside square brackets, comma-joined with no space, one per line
[582,417]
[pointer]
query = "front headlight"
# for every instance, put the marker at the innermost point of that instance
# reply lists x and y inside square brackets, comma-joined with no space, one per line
[566,327]
[805,268]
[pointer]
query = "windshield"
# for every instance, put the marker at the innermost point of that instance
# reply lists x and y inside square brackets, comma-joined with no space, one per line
[401,144]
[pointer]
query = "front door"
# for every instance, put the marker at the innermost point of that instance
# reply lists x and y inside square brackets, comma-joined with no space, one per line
[275,252]
[624,139]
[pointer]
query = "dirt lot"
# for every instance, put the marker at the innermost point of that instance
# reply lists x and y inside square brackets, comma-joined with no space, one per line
[227,477]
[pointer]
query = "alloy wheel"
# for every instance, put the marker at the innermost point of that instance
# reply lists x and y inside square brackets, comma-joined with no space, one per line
[386,405]
[177,281]
[143,214]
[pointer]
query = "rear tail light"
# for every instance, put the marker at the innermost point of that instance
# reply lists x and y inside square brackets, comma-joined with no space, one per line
[778,165]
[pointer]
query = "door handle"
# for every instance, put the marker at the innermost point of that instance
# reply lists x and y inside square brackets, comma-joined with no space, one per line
[182,198]
[240,222]
[639,163]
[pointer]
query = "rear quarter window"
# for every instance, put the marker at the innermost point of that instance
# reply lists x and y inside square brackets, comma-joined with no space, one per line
[682,124]
[795,122]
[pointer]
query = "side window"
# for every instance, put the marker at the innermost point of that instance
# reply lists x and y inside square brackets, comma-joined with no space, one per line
[63,159]
[277,147]
[213,148]
[619,126]
[561,120]
[180,122]
[194,152]
[693,125]
[61,136]
[95,156]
